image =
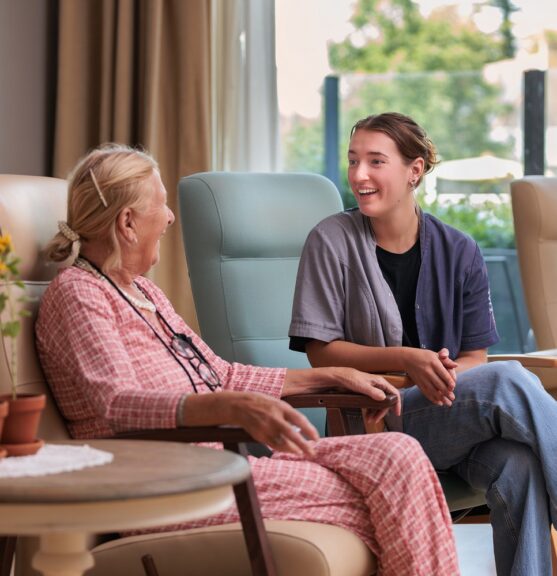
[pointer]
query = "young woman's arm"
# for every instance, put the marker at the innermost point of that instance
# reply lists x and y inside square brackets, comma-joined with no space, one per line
[424,367]
[470,359]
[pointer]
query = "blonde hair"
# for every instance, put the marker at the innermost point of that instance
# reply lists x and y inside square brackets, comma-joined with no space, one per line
[105,181]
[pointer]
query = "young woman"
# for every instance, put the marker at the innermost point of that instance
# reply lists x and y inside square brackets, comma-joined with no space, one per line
[118,357]
[386,287]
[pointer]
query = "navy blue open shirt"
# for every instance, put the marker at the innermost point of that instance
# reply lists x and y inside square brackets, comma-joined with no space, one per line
[453,303]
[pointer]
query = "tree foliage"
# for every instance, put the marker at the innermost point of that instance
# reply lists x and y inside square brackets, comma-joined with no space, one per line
[507,8]
[392,35]
[456,109]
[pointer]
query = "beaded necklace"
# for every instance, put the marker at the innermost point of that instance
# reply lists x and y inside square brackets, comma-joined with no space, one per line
[144,304]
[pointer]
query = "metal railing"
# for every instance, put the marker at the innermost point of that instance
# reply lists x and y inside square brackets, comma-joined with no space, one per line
[534,124]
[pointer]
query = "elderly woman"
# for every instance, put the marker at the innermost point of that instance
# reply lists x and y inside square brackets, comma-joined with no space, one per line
[118,357]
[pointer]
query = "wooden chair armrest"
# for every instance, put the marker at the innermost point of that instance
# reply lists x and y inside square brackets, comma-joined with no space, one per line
[398,380]
[344,409]
[224,434]
[527,360]
[543,364]
[345,399]
[335,399]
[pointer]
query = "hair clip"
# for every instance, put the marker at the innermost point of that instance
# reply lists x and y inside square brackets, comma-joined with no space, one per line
[67,232]
[97,188]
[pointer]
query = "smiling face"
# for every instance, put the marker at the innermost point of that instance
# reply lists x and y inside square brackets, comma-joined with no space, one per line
[151,224]
[379,176]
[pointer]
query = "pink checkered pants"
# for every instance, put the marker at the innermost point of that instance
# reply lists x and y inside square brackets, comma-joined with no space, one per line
[380,486]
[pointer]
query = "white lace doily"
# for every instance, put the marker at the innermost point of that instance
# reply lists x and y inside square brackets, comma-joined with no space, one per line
[52,459]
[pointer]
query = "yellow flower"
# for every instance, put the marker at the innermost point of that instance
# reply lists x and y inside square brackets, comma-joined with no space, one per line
[6,245]
[3,268]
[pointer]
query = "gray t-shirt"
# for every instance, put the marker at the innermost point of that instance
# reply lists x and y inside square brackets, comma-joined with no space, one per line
[341,293]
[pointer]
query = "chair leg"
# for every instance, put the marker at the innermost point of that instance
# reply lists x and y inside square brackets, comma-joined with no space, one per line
[335,422]
[7,551]
[345,421]
[257,542]
[149,565]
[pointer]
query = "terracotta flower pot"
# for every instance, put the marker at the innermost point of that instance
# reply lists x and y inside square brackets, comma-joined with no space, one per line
[22,422]
[4,407]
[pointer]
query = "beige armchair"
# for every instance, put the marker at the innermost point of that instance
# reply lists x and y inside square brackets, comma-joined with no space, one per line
[29,210]
[534,204]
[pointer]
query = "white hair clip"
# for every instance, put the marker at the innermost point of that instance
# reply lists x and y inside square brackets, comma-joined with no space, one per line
[73,237]
[67,232]
[98,188]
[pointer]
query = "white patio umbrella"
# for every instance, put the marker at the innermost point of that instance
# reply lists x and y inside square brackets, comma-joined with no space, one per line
[478,175]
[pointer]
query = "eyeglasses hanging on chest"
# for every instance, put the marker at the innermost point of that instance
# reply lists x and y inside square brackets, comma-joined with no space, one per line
[183,345]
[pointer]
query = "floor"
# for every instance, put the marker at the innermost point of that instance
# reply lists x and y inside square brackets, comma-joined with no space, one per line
[475,549]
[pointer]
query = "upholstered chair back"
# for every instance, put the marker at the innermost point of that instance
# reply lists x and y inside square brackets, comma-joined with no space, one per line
[30,207]
[243,235]
[534,203]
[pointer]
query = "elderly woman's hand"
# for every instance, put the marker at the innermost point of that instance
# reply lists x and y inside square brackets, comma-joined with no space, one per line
[272,422]
[372,385]
[266,419]
[350,379]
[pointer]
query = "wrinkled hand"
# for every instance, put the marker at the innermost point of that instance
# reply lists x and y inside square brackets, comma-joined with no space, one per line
[272,422]
[433,373]
[372,385]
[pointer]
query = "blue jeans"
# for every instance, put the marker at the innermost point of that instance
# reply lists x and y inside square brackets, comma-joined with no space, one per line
[500,435]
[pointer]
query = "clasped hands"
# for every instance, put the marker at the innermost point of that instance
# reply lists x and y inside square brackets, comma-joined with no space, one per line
[434,373]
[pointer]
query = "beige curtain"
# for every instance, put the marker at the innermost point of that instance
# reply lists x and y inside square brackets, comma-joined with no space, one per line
[245,107]
[138,72]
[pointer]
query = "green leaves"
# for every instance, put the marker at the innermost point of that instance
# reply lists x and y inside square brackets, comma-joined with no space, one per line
[11,329]
[12,264]
[491,224]
[10,310]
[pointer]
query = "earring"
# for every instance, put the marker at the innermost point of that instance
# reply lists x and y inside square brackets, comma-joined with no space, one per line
[413,184]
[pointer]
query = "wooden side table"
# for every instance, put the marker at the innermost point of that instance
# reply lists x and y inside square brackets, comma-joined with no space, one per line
[147,484]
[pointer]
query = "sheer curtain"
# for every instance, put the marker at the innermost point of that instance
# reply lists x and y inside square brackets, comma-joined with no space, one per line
[138,72]
[245,110]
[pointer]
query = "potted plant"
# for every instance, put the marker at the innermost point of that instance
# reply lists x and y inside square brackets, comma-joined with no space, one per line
[21,423]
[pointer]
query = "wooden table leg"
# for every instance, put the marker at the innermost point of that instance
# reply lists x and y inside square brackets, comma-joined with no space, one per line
[63,554]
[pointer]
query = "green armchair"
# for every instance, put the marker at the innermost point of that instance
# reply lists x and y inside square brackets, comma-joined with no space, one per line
[243,235]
